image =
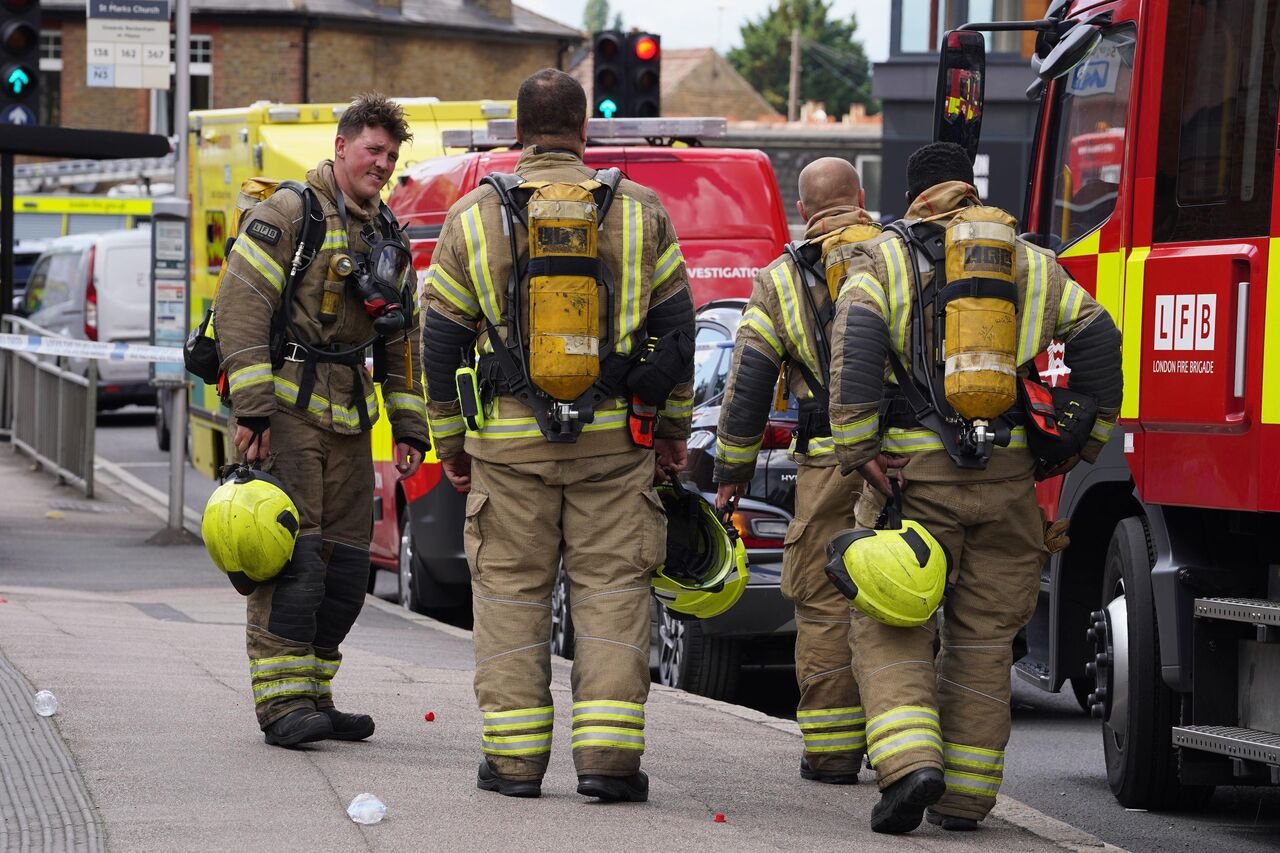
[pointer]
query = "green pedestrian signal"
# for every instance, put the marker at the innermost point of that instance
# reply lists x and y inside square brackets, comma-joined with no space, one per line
[607,108]
[18,80]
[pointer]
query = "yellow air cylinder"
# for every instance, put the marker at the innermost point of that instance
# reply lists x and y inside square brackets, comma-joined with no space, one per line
[980,342]
[837,250]
[564,315]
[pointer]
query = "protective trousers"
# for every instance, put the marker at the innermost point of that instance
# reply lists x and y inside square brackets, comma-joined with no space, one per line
[297,622]
[952,712]
[603,518]
[830,712]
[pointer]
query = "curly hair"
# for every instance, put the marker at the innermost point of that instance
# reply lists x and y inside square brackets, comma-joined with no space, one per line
[937,163]
[373,109]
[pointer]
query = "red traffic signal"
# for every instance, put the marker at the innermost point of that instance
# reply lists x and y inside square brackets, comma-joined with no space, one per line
[646,48]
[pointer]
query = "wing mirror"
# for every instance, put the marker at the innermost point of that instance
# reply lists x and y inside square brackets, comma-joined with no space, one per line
[1070,51]
[957,107]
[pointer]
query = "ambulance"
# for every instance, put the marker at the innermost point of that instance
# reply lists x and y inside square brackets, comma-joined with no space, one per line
[285,141]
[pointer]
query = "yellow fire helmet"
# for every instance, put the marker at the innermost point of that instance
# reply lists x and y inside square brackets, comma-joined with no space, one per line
[705,569]
[249,527]
[896,573]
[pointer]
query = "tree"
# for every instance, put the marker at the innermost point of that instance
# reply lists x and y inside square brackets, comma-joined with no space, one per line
[617,22]
[833,67]
[595,15]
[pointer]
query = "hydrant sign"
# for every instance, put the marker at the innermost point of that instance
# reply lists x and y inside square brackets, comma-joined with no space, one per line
[128,43]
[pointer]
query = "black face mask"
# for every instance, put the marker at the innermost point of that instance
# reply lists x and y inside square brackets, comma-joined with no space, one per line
[382,279]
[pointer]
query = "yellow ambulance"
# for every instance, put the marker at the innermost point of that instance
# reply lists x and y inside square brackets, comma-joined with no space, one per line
[284,141]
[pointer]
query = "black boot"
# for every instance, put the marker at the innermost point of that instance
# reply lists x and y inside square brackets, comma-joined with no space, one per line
[902,804]
[487,780]
[348,726]
[304,725]
[613,789]
[951,822]
[807,772]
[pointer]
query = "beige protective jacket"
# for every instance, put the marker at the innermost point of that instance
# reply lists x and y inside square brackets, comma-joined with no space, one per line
[778,331]
[873,313]
[466,291]
[258,266]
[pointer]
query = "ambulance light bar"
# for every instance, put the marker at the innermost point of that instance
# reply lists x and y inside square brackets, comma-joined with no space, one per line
[501,133]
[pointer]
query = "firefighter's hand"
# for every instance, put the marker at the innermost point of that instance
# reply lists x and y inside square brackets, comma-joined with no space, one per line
[878,471]
[256,447]
[408,460]
[1043,473]
[671,455]
[458,470]
[726,492]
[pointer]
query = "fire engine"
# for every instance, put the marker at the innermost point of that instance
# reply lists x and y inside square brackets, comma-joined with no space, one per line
[1154,177]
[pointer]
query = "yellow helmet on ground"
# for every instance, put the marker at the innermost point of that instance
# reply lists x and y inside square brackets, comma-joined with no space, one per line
[705,569]
[249,527]
[896,573]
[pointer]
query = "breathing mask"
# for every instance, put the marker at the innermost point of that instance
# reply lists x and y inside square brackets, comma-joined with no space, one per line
[381,279]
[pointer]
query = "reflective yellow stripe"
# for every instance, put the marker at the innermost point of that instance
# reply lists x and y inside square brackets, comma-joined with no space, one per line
[1069,307]
[1131,355]
[847,434]
[478,254]
[867,284]
[251,375]
[818,446]
[960,755]
[284,687]
[1102,431]
[1109,290]
[607,709]
[831,717]
[902,715]
[677,408]
[523,718]
[671,259]
[632,258]
[784,284]
[614,737]
[318,405]
[897,440]
[1270,340]
[897,290]
[971,783]
[757,319]
[501,428]
[546,710]
[260,260]
[401,401]
[834,741]
[327,667]
[334,239]
[453,291]
[737,455]
[902,741]
[445,427]
[530,744]
[1033,308]
[287,663]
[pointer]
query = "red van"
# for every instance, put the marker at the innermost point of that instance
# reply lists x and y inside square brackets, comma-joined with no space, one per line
[729,218]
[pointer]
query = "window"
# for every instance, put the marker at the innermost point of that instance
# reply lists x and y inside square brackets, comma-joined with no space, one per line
[921,24]
[999,10]
[49,109]
[917,25]
[1088,138]
[50,282]
[711,371]
[200,59]
[1217,121]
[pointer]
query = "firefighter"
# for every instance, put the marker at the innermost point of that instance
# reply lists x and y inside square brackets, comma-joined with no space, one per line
[302,407]
[553,459]
[937,728]
[785,328]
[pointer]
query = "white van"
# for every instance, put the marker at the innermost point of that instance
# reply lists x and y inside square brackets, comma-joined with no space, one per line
[97,287]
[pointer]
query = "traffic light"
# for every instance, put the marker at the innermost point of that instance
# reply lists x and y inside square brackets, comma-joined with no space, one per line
[644,60]
[609,75]
[19,60]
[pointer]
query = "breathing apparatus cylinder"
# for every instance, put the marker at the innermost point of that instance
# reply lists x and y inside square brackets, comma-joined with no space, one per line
[564,316]
[340,267]
[980,340]
[837,251]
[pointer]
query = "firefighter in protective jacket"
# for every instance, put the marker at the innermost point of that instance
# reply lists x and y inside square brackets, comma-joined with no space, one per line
[553,477]
[303,408]
[937,728]
[785,328]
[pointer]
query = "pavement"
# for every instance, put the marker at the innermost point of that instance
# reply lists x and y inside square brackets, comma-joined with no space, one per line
[154,746]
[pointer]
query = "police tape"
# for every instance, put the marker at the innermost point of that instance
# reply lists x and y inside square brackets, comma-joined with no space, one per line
[42,345]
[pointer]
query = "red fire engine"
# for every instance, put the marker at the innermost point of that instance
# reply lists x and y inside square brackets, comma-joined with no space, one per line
[1155,178]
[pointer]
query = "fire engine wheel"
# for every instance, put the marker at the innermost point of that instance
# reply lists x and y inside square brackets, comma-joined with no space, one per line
[409,596]
[690,660]
[1137,708]
[561,619]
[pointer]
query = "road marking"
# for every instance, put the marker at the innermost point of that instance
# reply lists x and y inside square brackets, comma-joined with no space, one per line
[142,464]
[143,494]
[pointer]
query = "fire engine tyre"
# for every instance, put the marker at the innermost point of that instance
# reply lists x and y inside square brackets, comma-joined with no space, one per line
[1139,708]
[691,660]
[408,566]
[562,632]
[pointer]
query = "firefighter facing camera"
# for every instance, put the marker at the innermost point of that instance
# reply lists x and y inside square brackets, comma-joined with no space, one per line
[953,308]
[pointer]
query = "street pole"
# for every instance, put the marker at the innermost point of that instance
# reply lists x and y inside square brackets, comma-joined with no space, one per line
[793,90]
[178,394]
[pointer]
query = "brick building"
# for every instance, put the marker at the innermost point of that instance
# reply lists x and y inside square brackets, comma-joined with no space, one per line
[301,51]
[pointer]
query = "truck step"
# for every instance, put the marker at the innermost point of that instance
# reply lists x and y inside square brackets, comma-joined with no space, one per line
[1246,744]
[1255,611]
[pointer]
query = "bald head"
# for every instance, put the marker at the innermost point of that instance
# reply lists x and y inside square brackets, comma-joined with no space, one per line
[829,182]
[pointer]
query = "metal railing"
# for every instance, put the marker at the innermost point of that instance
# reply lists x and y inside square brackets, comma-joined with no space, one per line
[47,410]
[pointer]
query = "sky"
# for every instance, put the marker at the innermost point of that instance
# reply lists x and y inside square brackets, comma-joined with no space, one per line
[716,23]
